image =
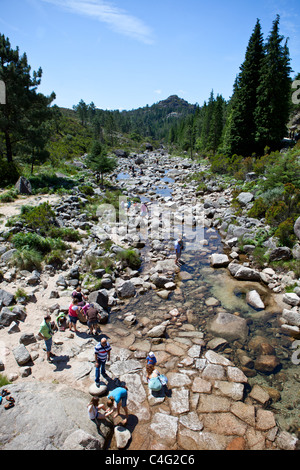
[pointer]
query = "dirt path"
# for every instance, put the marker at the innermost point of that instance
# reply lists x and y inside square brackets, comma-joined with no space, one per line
[9,209]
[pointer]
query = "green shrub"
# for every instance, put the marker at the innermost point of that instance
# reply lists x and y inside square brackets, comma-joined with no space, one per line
[44,182]
[130,258]
[276,213]
[4,380]
[31,241]
[39,218]
[259,208]
[67,234]
[9,173]
[20,293]
[87,190]
[285,233]
[55,258]
[9,196]
[27,259]
[38,243]
[259,257]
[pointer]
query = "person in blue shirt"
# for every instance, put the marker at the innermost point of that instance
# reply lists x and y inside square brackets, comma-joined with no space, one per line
[151,359]
[115,398]
[178,245]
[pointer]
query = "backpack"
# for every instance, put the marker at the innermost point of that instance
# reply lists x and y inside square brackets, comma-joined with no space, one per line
[163,379]
[155,384]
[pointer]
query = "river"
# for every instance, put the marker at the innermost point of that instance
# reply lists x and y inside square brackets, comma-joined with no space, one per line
[197,282]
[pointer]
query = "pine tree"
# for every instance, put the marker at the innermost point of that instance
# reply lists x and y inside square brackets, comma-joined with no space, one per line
[241,131]
[99,162]
[216,124]
[273,103]
[23,103]
[207,119]
[82,110]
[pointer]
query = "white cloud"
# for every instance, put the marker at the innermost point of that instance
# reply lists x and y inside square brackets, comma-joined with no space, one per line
[118,20]
[158,92]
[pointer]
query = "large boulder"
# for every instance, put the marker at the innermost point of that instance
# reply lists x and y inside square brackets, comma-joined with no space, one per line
[100,298]
[6,298]
[245,198]
[297,228]
[125,290]
[121,153]
[23,186]
[281,253]
[21,354]
[43,418]
[219,260]
[247,274]
[7,316]
[228,326]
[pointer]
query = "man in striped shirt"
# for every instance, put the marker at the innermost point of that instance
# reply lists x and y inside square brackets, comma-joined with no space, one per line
[102,354]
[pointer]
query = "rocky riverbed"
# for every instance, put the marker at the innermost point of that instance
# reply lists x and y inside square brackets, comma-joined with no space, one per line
[221,330]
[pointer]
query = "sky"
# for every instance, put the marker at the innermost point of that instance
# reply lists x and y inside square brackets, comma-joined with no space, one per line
[126,54]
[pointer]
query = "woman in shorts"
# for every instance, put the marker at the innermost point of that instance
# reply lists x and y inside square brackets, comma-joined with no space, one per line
[74,308]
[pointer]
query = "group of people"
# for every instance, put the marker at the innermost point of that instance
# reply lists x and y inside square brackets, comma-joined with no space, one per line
[78,305]
[117,398]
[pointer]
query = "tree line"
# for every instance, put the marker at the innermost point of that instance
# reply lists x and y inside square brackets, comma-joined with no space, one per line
[256,115]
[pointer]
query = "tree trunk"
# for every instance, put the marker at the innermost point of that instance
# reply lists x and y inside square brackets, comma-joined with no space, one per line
[9,154]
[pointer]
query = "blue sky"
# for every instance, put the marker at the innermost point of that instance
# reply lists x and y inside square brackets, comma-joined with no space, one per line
[124,54]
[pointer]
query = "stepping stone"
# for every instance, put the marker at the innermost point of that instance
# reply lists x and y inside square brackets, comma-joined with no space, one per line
[96,391]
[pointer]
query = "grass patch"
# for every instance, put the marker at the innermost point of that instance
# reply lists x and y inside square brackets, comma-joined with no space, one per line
[27,259]
[129,258]
[4,380]
[9,196]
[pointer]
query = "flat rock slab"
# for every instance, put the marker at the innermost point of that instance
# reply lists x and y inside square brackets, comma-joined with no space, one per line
[61,410]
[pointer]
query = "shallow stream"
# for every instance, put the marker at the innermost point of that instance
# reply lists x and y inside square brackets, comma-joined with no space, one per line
[196,282]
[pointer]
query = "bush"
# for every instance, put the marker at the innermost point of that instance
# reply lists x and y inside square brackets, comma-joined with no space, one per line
[93,262]
[4,380]
[32,241]
[42,183]
[9,196]
[87,190]
[259,257]
[9,173]
[285,233]
[276,213]
[27,259]
[130,258]
[67,234]
[259,208]
[56,258]
[39,218]
[38,243]
[21,293]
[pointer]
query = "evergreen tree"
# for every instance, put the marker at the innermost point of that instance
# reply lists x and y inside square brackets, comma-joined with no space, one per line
[82,110]
[99,162]
[207,119]
[216,124]
[274,92]
[241,130]
[23,103]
